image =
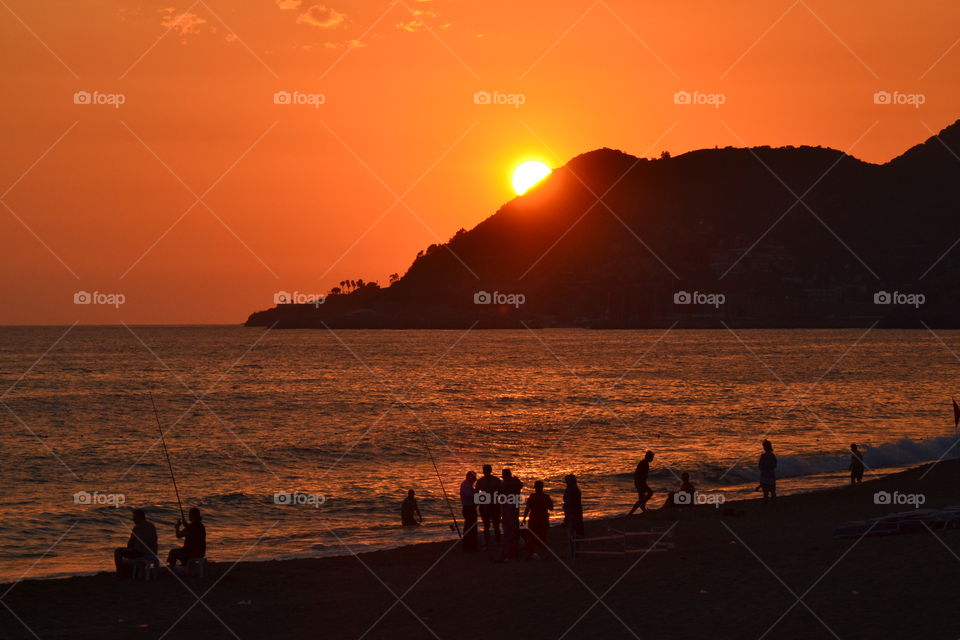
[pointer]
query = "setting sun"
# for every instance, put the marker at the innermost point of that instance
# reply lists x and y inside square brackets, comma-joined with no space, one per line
[528,174]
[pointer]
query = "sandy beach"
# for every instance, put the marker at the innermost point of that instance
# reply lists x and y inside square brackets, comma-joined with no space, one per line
[746,574]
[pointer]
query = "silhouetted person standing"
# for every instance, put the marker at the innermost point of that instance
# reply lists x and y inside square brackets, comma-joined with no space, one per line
[856,465]
[489,486]
[410,511]
[195,539]
[644,492]
[573,507]
[510,488]
[768,475]
[469,543]
[142,542]
[539,506]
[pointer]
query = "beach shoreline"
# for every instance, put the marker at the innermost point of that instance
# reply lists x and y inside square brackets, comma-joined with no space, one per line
[729,576]
[441,529]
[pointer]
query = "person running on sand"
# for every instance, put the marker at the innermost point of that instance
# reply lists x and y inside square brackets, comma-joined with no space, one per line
[467,491]
[856,465]
[489,485]
[573,507]
[409,509]
[539,506]
[644,492]
[195,539]
[768,475]
[686,488]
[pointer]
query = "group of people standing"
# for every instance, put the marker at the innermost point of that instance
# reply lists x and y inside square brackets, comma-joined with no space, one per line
[495,501]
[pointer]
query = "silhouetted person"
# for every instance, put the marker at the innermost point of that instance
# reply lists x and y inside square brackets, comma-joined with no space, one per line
[469,542]
[573,507]
[142,542]
[856,465]
[510,487]
[410,511]
[686,488]
[644,492]
[539,506]
[195,539]
[489,484]
[768,475]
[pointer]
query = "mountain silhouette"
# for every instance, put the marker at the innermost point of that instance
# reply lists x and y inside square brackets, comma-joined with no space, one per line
[751,237]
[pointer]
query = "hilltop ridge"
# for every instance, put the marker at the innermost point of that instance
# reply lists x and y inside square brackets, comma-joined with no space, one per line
[612,240]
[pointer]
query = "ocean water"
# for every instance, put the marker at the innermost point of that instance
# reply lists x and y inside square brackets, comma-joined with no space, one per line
[351,419]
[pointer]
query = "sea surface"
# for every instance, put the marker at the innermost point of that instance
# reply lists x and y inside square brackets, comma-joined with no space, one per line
[353,419]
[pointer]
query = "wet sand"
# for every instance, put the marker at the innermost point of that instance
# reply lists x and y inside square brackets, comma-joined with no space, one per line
[778,574]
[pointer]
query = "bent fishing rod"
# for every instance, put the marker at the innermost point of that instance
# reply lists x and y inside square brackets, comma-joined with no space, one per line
[442,487]
[167,455]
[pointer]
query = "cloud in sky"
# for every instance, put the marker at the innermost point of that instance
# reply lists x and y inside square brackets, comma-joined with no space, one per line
[349,44]
[289,5]
[321,17]
[185,23]
[418,24]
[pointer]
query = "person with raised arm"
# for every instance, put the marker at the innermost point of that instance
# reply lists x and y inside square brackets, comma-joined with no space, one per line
[195,540]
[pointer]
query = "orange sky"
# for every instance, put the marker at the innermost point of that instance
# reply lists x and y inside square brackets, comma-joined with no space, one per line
[296,197]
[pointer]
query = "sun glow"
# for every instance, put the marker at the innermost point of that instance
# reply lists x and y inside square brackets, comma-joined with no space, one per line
[528,174]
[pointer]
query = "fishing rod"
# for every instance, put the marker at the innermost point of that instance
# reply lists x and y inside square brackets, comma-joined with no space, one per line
[442,487]
[167,454]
